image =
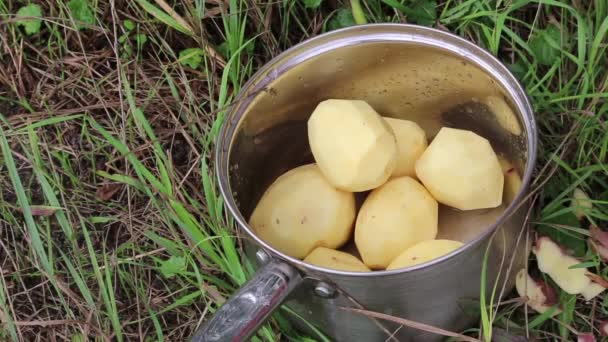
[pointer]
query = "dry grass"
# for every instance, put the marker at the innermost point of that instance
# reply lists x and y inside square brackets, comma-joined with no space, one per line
[110,225]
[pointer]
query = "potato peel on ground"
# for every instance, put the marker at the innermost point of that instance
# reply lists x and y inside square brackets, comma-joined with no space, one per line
[588,337]
[553,261]
[581,203]
[540,296]
[599,241]
[603,328]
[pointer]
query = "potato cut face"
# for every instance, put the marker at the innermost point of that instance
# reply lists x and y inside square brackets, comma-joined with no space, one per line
[354,147]
[424,251]
[411,143]
[395,216]
[337,260]
[301,211]
[460,169]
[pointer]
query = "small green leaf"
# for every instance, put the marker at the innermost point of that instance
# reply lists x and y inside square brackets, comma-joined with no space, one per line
[81,11]
[103,219]
[128,24]
[312,3]
[32,24]
[173,266]
[541,48]
[122,38]
[191,57]
[140,39]
[343,18]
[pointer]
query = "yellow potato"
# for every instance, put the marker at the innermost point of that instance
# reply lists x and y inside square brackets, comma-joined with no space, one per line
[395,216]
[512,181]
[424,251]
[301,211]
[461,170]
[354,147]
[411,142]
[331,258]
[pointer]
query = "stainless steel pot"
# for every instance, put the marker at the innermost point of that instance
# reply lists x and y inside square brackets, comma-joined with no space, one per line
[404,71]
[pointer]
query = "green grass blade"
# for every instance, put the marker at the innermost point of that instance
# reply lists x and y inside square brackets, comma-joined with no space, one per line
[163,16]
[24,204]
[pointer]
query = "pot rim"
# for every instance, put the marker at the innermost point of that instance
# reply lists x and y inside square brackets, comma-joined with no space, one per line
[368,33]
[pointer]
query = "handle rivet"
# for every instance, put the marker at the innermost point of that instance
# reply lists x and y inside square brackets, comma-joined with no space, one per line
[324,290]
[262,256]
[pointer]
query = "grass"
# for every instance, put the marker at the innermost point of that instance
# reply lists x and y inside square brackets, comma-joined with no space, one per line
[111,226]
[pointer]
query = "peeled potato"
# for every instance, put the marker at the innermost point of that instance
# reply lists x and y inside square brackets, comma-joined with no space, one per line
[461,170]
[512,181]
[411,142]
[424,251]
[354,147]
[301,211]
[395,216]
[331,258]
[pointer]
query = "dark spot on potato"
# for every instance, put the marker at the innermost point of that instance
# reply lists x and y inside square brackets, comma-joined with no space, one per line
[277,221]
[303,220]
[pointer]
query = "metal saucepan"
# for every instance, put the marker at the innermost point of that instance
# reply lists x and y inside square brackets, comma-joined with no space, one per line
[404,71]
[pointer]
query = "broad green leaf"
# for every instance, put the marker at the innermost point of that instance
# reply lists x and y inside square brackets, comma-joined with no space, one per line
[33,23]
[173,266]
[312,3]
[191,57]
[343,18]
[423,12]
[518,69]
[81,12]
[541,48]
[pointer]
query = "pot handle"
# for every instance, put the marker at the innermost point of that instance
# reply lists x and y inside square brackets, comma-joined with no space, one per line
[239,317]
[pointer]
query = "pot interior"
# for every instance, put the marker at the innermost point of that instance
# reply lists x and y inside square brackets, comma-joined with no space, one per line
[434,85]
